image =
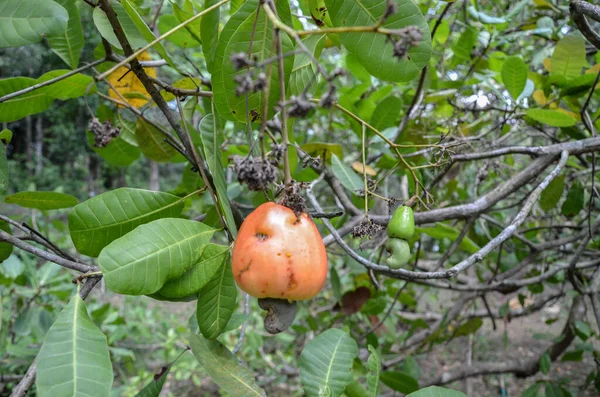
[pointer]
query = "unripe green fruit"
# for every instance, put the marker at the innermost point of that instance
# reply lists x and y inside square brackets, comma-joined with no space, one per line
[402,224]
[399,253]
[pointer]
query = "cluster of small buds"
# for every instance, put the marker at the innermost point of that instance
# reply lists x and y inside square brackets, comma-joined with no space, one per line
[366,229]
[329,98]
[390,9]
[103,132]
[256,172]
[408,37]
[299,106]
[291,197]
[247,83]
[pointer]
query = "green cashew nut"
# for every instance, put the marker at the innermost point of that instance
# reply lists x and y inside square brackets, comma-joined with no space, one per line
[402,224]
[399,253]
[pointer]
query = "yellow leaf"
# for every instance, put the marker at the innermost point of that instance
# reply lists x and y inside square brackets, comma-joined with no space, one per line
[542,3]
[548,64]
[540,98]
[572,114]
[553,105]
[126,82]
[594,69]
[360,168]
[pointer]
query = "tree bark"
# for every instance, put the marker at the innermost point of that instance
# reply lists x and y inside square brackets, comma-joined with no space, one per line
[39,146]
[154,176]
[28,140]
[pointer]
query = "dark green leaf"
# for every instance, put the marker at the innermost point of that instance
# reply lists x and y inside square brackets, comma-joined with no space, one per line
[575,200]
[400,382]
[545,363]
[552,193]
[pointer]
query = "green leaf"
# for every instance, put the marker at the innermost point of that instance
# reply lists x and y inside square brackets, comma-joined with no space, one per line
[483,17]
[209,33]
[545,363]
[400,381]
[374,366]
[463,48]
[97,222]
[436,391]
[212,155]
[552,193]
[151,142]
[213,257]
[74,359]
[6,136]
[145,31]
[216,302]
[68,44]
[532,391]
[131,31]
[575,200]
[469,327]
[72,87]
[6,249]
[553,118]
[118,152]
[325,363]
[442,230]
[143,260]
[12,267]
[224,369]
[568,58]
[155,386]
[304,71]
[235,38]
[387,113]
[552,390]
[182,37]
[375,51]
[23,105]
[575,355]
[323,149]
[583,330]
[42,200]
[514,75]
[28,21]
[348,178]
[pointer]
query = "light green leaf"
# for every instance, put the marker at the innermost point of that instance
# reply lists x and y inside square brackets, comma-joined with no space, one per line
[224,369]
[143,260]
[436,391]
[552,193]
[42,200]
[400,381]
[27,21]
[304,71]
[12,267]
[182,37]
[209,32]
[212,154]
[151,142]
[74,359]
[6,249]
[145,31]
[442,230]
[24,105]
[575,200]
[235,38]
[553,118]
[326,363]
[349,179]
[97,222]
[464,46]
[216,302]
[375,51]
[104,27]
[483,17]
[185,13]
[514,75]
[568,58]
[72,87]
[387,113]
[213,257]
[6,136]
[374,366]
[68,45]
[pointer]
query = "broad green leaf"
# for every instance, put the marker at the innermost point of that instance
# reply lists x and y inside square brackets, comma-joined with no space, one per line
[181,38]
[355,389]
[6,249]
[304,71]
[514,75]
[552,193]
[568,58]
[127,130]
[216,302]
[42,200]
[545,363]
[442,230]
[463,48]
[151,142]
[436,391]
[553,118]
[387,113]
[469,327]
[213,257]
[211,150]
[118,152]
[131,31]
[145,31]
[72,87]
[575,200]
[349,179]
[224,369]
[323,149]
[28,21]
[143,260]
[326,363]
[155,386]
[209,33]
[74,359]
[3,168]
[375,51]
[68,45]
[97,222]
[552,390]
[582,330]
[12,267]
[24,105]
[400,381]
[374,366]
[234,39]
[185,13]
